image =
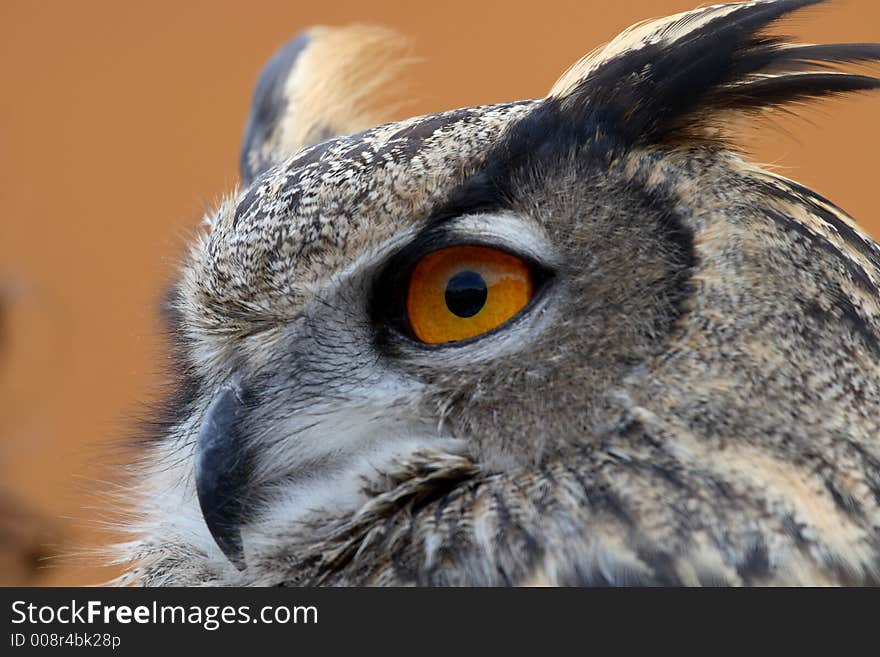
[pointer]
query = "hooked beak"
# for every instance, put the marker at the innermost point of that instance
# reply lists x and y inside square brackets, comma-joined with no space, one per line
[220,469]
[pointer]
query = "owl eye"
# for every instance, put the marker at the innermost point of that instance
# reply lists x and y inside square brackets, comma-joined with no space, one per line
[461,292]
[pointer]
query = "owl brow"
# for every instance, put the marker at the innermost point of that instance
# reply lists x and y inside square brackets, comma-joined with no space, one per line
[484,191]
[477,194]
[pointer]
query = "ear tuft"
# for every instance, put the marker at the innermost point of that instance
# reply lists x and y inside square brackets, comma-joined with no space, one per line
[326,82]
[677,76]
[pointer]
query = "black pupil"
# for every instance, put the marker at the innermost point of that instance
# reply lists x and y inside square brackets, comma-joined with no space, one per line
[466,293]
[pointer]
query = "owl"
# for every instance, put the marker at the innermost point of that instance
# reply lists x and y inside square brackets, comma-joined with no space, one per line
[574,340]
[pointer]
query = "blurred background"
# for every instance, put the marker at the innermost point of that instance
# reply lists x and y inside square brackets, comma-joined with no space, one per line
[119,128]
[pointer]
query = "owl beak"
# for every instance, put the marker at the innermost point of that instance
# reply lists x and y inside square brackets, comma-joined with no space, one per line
[220,469]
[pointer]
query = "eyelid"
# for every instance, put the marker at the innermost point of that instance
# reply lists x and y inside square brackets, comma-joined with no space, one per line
[506,231]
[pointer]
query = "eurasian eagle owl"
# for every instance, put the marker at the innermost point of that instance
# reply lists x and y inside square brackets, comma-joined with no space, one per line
[571,340]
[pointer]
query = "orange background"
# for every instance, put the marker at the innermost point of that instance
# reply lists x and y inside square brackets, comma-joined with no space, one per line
[120,125]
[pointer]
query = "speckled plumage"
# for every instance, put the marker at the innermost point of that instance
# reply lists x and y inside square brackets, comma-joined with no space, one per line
[693,397]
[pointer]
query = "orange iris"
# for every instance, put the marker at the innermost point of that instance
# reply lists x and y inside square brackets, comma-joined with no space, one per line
[464,291]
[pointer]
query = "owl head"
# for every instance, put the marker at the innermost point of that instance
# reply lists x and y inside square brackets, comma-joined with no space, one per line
[576,300]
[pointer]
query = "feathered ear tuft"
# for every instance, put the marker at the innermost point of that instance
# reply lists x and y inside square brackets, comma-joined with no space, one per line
[324,83]
[675,76]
